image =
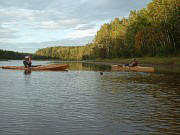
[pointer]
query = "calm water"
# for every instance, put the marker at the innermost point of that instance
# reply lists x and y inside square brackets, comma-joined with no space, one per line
[83,102]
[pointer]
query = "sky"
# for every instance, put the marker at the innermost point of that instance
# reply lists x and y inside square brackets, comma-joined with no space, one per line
[28,25]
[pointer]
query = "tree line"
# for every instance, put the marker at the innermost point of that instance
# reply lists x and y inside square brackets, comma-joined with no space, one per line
[11,55]
[151,31]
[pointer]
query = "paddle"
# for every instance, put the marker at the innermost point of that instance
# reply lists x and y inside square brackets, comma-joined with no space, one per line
[36,65]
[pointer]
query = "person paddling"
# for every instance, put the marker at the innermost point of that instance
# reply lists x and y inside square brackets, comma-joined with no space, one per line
[27,61]
[133,63]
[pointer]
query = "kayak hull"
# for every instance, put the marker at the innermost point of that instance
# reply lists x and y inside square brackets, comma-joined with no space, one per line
[53,67]
[136,68]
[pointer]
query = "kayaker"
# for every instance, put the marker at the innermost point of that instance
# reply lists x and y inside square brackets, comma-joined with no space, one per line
[132,64]
[27,61]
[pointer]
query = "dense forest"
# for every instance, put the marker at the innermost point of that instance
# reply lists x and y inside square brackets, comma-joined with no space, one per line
[11,55]
[151,31]
[4,54]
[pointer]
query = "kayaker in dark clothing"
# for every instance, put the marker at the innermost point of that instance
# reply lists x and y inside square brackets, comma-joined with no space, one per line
[133,63]
[27,61]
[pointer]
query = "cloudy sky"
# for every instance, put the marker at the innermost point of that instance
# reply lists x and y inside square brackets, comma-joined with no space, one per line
[27,25]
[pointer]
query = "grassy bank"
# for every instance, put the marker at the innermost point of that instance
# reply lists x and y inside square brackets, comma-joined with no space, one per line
[145,60]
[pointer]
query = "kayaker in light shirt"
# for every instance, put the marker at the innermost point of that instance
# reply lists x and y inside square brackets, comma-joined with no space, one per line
[27,61]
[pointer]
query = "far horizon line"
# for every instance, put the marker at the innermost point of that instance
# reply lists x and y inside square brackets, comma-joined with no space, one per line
[32,52]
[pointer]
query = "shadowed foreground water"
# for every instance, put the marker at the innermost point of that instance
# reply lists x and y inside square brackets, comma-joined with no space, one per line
[83,102]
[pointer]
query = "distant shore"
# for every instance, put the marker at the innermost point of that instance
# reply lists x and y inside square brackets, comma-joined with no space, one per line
[175,61]
[3,60]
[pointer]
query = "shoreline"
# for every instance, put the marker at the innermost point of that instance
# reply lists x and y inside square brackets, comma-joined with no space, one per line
[146,61]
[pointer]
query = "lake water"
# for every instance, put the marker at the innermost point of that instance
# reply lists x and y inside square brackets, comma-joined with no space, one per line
[83,102]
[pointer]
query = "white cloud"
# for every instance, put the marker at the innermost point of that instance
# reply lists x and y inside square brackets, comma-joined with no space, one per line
[6,33]
[45,20]
[34,46]
[82,33]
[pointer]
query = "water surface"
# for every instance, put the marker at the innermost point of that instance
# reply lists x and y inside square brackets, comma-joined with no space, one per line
[83,102]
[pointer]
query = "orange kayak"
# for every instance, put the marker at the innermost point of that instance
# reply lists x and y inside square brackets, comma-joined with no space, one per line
[53,67]
[136,68]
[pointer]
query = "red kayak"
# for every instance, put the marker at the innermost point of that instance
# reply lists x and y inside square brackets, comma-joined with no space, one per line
[53,67]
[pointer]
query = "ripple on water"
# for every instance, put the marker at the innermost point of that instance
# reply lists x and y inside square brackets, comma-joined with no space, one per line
[85,102]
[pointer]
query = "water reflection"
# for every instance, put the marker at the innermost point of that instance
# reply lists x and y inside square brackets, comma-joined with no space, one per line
[82,101]
[156,100]
[83,66]
[170,69]
[27,72]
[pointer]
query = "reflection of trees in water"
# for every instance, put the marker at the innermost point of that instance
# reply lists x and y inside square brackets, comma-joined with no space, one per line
[96,67]
[166,95]
[167,69]
[167,81]
[88,66]
[151,100]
